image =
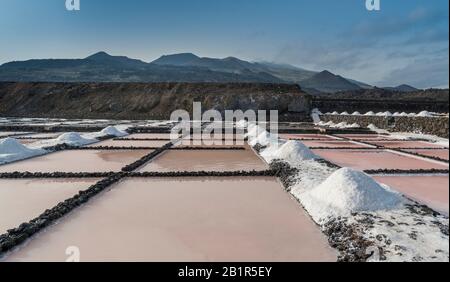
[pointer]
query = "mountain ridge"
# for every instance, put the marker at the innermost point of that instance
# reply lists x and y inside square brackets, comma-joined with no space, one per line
[181,67]
[328,82]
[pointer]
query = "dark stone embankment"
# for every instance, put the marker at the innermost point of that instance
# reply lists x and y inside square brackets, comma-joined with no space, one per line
[438,126]
[141,101]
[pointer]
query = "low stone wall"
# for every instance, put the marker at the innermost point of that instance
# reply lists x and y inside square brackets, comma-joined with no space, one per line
[438,126]
[378,105]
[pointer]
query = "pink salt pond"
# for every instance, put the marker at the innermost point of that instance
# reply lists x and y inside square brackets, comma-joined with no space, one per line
[77,161]
[442,154]
[190,219]
[205,160]
[405,144]
[432,191]
[129,143]
[363,136]
[306,136]
[26,141]
[213,136]
[212,143]
[22,200]
[10,133]
[333,144]
[148,136]
[376,159]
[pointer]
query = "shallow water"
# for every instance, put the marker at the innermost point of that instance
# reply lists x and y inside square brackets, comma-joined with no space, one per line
[375,159]
[130,143]
[215,136]
[149,136]
[306,136]
[212,143]
[7,133]
[213,160]
[363,136]
[24,199]
[78,161]
[443,154]
[405,144]
[333,144]
[190,219]
[429,190]
[26,141]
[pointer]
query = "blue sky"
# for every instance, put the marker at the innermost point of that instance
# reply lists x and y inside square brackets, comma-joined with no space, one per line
[406,42]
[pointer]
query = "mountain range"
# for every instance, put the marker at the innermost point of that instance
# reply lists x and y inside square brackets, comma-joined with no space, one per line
[184,67]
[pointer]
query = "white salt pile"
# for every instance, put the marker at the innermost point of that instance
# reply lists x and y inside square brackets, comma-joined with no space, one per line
[384,114]
[369,113]
[376,129]
[73,139]
[344,114]
[316,111]
[263,139]
[254,131]
[397,114]
[159,123]
[424,114]
[115,131]
[11,150]
[242,124]
[315,115]
[354,125]
[340,125]
[335,113]
[356,113]
[292,151]
[347,191]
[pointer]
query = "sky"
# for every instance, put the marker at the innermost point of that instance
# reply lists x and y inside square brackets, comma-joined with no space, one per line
[407,41]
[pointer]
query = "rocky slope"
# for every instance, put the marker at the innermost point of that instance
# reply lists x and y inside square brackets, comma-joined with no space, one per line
[146,100]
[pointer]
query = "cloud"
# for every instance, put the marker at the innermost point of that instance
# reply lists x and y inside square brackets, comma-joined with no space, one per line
[412,50]
[418,19]
[422,73]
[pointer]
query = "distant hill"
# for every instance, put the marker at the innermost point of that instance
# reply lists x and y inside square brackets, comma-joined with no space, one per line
[402,88]
[183,59]
[184,67]
[286,72]
[311,81]
[229,64]
[327,82]
[102,67]
[119,61]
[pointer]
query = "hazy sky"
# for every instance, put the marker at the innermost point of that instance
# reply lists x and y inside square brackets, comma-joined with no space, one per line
[406,42]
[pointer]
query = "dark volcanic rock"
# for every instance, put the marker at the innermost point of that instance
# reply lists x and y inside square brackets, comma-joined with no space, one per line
[147,100]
